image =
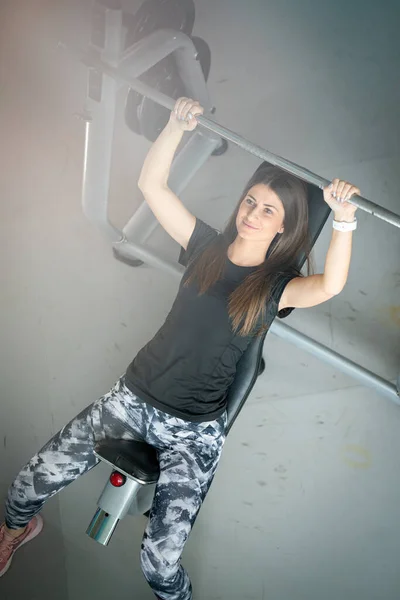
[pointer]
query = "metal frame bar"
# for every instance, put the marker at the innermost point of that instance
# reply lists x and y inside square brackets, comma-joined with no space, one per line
[347,366]
[100,131]
[98,147]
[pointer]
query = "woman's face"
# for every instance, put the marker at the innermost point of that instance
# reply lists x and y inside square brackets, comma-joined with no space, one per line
[261,214]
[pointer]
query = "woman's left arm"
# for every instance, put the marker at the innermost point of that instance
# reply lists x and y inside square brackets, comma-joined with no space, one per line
[303,292]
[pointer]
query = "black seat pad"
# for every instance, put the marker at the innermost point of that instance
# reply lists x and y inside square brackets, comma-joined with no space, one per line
[136,458]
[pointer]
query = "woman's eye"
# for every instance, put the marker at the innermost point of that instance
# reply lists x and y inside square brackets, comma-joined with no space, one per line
[269,211]
[249,201]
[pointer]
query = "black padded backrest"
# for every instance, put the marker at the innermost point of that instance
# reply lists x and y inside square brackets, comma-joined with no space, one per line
[249,364]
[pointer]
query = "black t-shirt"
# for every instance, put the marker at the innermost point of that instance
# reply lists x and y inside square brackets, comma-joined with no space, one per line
[188,366]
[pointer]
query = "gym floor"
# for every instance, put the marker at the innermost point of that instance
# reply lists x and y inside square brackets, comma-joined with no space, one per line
[305,504]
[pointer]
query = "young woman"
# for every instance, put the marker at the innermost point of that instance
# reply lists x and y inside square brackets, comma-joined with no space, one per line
[173,393]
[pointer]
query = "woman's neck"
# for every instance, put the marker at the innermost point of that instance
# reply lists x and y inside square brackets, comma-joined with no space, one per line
[247,254]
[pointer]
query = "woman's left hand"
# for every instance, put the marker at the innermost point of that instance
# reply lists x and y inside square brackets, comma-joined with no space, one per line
[336,195]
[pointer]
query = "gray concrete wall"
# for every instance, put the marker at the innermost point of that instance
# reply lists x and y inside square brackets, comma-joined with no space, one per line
[305,502]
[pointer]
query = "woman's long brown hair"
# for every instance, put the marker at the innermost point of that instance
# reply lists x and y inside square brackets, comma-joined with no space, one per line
[248,303]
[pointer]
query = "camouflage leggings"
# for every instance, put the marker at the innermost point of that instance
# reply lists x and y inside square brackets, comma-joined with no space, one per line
[188,455]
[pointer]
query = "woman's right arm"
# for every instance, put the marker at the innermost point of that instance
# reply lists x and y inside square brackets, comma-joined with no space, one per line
[168,209]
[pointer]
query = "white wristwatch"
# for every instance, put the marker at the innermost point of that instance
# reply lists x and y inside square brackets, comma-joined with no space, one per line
[345,225]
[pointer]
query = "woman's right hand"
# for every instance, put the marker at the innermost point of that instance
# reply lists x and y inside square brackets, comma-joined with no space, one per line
[184,114]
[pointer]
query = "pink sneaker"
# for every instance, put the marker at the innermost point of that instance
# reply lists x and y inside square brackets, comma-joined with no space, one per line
[8,544]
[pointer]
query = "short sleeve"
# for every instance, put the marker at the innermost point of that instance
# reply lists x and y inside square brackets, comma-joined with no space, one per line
[278,291]
[201,237]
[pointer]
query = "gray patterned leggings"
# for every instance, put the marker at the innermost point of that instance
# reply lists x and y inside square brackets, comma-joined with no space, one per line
[188,456]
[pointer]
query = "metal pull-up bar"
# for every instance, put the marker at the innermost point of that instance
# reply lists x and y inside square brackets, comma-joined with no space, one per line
[93,60]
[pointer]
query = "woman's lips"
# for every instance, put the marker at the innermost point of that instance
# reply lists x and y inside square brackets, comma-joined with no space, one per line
[249,226]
